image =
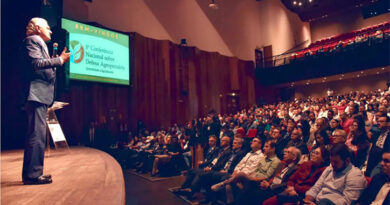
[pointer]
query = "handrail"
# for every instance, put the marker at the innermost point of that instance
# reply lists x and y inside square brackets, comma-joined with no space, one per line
[363,34]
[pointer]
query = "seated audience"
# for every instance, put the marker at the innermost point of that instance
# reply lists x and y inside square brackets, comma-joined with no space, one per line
[378,192]
[145,160]
[321,140]
[213,154]
[333,125]
[345,122]
[381,145]
[252,193]
[262,168]
[281,143]
[303,179]
[224,169]
[296,141]
[171,152]
[340,183]
[358,139]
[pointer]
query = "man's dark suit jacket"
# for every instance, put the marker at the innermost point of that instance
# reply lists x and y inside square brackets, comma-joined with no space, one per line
[209,157]
[375,154]
[225,155]
[40,70]
[369,194]
[289,172]
[225,158]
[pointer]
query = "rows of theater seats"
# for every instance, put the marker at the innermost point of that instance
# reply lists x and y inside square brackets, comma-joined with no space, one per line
[310,127]
[375,32]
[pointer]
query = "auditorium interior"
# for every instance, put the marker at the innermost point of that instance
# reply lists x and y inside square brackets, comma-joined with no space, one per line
[207,80]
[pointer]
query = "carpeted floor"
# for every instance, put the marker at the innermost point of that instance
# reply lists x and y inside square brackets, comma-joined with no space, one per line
[140,191]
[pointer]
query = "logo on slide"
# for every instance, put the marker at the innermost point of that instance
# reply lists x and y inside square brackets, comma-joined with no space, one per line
[77,51]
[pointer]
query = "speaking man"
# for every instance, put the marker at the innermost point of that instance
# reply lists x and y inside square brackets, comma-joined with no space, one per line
[40,69]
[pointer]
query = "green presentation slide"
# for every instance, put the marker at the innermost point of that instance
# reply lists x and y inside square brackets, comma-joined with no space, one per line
[97,54]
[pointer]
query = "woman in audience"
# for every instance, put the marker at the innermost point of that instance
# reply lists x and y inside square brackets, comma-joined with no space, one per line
[321,140]
[358,141]
[334,124]
[303,179]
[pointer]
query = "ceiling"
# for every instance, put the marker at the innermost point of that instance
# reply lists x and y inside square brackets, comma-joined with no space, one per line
[312,10]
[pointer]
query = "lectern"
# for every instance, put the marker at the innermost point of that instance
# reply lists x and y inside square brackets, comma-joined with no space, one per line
[54,127]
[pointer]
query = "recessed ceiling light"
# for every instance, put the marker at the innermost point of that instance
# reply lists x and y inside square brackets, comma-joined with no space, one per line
[383,68]
[361,72]
[377,72]
[295,2]
[358,76]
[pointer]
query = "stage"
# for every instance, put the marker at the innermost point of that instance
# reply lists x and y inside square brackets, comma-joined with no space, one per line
[80,176]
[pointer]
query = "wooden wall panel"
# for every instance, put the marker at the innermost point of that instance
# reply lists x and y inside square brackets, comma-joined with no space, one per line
[169,84]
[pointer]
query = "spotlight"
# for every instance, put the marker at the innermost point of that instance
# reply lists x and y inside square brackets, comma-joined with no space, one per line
[295,2]
[300,3]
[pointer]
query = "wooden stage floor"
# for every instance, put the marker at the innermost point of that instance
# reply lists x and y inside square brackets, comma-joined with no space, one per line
[81,176]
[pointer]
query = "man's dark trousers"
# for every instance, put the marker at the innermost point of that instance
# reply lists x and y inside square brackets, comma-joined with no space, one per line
[36,139]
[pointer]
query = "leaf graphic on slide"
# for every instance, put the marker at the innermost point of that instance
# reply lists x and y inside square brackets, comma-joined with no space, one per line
[77,51]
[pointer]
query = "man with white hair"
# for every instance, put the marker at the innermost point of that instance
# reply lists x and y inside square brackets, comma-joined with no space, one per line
[39,67]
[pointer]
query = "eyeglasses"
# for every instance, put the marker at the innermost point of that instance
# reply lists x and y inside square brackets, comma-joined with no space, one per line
[315,153]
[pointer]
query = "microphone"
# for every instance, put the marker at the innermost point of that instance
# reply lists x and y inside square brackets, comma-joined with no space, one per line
[55,48]
[55,52]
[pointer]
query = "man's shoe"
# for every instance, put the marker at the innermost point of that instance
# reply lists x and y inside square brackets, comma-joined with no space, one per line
[48,176]
[38,180]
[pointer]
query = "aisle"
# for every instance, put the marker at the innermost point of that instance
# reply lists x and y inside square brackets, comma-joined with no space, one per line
[140,191]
